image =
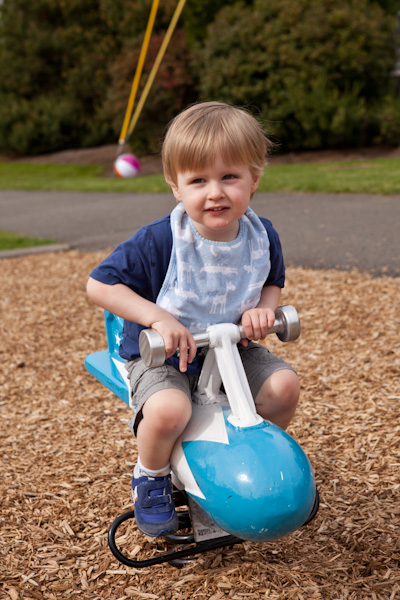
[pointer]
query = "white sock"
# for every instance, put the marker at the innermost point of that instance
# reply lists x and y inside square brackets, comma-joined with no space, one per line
[140,470]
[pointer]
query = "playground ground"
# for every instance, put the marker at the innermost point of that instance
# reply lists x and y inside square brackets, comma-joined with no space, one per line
[67,454]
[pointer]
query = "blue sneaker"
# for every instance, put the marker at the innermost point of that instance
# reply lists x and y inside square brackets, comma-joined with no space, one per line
[154,505]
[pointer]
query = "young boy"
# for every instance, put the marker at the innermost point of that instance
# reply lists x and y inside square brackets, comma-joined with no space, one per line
[211,261]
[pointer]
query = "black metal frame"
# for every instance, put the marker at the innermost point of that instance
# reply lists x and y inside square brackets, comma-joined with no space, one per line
[186,548]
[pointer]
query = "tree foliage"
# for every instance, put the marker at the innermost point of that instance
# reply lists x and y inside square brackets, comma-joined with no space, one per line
[315,70]
[172,89]
[200,14]
[64,62]
[53,65]
[391,7]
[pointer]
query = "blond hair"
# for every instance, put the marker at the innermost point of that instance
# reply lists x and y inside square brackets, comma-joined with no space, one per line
[205,131]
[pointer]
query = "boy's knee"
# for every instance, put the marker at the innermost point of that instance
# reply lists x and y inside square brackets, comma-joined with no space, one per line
[168,411]
[286,387]
[278,397]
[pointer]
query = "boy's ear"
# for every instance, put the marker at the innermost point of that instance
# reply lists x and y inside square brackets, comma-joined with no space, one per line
[256,181]
[175,191]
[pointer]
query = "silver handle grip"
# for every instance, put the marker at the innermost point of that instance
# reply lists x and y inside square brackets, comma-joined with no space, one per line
[151,343]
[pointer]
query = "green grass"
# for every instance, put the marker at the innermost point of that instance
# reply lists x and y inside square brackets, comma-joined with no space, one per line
[73,178]
[377,176]
[11,241]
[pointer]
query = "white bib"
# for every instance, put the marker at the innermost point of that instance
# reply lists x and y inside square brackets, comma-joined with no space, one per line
[211,282]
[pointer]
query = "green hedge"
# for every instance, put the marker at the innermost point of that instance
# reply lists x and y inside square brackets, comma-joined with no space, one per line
[317,70]
[66,70]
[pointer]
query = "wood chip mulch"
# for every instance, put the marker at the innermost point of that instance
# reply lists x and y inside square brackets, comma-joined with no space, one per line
[67,454]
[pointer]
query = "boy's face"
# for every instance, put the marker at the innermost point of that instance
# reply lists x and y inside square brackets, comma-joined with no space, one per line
[215,197]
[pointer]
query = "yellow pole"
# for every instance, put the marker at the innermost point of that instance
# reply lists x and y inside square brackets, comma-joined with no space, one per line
[156,65]
[139,68]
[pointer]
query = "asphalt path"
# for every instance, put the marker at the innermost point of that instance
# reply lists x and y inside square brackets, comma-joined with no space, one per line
[327,231]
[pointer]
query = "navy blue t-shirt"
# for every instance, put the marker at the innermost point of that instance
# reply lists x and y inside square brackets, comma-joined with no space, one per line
[142,262]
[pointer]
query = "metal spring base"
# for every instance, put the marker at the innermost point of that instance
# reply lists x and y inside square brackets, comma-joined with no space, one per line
[186,548]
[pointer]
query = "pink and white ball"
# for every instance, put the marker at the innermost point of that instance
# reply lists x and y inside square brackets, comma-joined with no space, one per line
[126,165]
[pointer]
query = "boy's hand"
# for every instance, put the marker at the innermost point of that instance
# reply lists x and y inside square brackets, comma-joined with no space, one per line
[176,337]
[256,323]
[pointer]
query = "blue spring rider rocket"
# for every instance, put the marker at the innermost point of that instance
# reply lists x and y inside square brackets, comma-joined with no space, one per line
[241,477]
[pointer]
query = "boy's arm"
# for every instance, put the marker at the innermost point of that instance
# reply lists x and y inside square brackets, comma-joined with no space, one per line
[257,321]
[122,301]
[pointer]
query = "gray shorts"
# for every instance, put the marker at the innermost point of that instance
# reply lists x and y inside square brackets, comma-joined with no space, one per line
[258,362]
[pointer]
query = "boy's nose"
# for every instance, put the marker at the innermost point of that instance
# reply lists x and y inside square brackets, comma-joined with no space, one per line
[215,190]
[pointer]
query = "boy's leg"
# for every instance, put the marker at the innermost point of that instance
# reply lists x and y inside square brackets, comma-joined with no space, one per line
[162,396]
[273,383]
[165,415]
[278,397]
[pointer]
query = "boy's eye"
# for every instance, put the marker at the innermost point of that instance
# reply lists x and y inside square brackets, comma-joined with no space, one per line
[198,180]
[229,176]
